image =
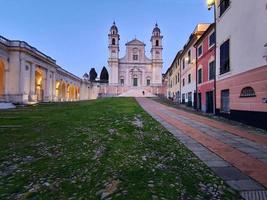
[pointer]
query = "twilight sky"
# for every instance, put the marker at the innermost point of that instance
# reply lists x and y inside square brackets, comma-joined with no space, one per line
[74,32]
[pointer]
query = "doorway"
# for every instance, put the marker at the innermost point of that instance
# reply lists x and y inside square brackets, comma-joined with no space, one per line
[209,102]
[39,85]
[199,100]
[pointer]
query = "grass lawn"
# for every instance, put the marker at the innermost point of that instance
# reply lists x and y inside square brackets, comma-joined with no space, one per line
[103,149]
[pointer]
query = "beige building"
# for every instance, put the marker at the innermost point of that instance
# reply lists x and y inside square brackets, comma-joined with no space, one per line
[188,66]
[173,76]
[29,76]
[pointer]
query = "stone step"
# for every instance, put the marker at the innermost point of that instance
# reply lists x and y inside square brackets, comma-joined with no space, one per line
[138,92]
[4,105]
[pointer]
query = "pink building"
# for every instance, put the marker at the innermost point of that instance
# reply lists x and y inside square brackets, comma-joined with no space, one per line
[241,64]
[205,70]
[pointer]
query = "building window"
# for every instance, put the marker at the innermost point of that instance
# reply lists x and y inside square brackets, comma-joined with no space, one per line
[225,57]
[189,78]
[113,41]
[135,80]
[148,82]
[190,96]
[157,43]
[225,101]
[183,63]
[183,82]
[135,57]
[212,39]
[178,77]
[122,81]
[183,98]
[212,70]
[224,4]
[247,92]
[189,56]
[199,76]
[199,51]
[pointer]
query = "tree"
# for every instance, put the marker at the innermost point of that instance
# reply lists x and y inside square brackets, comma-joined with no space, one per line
[92,74]
[104,75]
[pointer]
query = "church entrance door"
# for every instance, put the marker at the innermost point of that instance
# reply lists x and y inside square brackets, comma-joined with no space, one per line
[135,82]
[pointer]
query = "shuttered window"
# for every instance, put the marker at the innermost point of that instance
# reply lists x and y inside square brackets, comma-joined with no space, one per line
[200,76]
[225,57]
[189,56]
[189,78]
[212,70]
[224,4]
[212,39]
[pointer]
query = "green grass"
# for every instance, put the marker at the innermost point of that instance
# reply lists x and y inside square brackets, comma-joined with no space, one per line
[97,149]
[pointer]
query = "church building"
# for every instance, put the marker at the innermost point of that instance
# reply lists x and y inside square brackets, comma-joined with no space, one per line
[135,74]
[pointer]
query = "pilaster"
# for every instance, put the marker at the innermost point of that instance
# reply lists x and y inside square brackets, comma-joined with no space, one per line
[33,96]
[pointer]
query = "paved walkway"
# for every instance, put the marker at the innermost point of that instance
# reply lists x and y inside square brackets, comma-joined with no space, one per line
[237,156]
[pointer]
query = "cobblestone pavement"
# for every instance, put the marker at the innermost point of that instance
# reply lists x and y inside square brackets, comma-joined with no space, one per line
[237,156]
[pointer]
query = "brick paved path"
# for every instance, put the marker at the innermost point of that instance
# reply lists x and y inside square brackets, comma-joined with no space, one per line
[237,156]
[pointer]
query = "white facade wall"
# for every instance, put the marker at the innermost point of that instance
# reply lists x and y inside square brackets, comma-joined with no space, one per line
[190,68]
[245,24]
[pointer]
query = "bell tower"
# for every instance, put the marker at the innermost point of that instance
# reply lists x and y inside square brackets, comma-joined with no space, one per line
[113,61]
[156,56]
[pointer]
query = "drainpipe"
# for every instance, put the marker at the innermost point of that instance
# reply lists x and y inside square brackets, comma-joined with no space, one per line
[196,79]
[215,58]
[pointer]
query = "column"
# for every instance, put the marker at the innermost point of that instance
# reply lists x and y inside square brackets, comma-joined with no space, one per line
[126,78]
[46,84]
[6,80]
[24,97]
[143,78]
[66,92]
[22,72]
[33,96]
[54,86]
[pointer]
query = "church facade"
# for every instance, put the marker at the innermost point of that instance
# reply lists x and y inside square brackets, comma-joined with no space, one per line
[135,74]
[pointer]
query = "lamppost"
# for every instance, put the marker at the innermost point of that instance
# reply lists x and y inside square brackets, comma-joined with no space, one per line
[210,4]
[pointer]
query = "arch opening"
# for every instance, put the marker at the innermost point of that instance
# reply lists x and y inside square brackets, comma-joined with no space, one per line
[39,90]
[113,41]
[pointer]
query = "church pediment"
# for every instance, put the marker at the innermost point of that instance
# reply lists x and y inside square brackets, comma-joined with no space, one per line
[135,42]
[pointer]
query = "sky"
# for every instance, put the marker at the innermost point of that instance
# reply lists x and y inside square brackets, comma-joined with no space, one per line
[75,32]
